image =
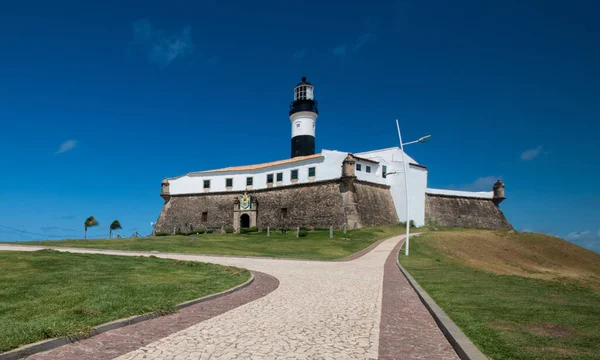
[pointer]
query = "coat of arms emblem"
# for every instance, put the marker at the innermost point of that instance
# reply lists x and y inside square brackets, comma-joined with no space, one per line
[245,202]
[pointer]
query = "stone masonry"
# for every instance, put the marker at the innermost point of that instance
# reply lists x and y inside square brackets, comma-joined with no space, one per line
[465,212]
[318,204]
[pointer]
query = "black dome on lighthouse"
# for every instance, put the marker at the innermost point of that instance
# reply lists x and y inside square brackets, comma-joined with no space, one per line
[304,82]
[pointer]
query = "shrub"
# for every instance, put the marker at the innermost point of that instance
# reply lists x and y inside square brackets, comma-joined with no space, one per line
[304,228]
[320,228]
[432,224]
[179,232]
[229,229]
[411,224]
[249,230]
[162,233]
[302,233]
[209,231]
[199,230]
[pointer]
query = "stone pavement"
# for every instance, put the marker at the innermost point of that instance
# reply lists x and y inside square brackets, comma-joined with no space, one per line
[321,310]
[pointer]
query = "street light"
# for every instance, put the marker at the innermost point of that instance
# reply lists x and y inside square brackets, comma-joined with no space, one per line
[424,138]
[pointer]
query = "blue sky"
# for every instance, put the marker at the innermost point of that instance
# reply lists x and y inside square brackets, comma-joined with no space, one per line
[100,101]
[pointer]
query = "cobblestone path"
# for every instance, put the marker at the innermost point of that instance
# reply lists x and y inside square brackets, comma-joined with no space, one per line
[321,310]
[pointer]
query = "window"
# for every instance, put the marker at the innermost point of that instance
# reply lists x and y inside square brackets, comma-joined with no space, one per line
[368,169]
[249,181]
[229,182]
[269,178]
[358,167]
[284,213]
[298,124]
[312,171]
[384,171]
[300,93]
[294,174]
[207,184]
[279,177]
[205,216]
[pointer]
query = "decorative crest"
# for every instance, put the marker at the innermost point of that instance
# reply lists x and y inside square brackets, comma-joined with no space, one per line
[244,202]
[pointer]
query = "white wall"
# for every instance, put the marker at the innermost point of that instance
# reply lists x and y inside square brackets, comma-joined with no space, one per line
[471,194]
[417,182]
[303,123]
[375,175]
[327,167]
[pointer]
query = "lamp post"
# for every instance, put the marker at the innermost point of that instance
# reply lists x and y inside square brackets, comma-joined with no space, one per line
[406,181]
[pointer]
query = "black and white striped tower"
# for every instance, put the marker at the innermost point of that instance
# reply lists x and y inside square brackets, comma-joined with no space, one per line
[303,115]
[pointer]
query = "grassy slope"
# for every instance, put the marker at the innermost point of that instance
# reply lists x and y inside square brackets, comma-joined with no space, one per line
[47,294]
[317,245]
[517,296]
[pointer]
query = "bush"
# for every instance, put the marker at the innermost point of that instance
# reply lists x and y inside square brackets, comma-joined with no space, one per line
[249,230]
[209,231]
[302,233]
[304,228]
[229,230]
[403,224]
[179,232]
[162,233]
[432,224]
[199,230]
[320,228]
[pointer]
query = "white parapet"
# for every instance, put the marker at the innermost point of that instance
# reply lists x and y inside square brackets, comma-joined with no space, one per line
[469,194]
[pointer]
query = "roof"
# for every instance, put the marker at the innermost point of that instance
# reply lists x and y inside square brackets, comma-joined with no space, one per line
[372,153]
[365,159]
[261,166]
[304,82]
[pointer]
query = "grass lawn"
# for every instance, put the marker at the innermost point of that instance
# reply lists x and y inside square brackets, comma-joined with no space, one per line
[316,245]
[516,296]
[47,294]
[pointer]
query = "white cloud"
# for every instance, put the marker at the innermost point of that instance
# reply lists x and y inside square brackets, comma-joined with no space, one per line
[484,183]
[159,47]
[66,146]
[531,154]
[340,50]
[362,40]
[577,235]
[300,54]
[587,239]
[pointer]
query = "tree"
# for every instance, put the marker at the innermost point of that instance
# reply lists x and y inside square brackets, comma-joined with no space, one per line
[116,225]
[89,222]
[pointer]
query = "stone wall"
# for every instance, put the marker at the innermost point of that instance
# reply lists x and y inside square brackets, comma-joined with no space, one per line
[320,204]
[185,212]
[454,211]
[374,204]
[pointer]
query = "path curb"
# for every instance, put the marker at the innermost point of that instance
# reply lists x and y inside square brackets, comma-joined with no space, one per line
[464,347]
[46,345]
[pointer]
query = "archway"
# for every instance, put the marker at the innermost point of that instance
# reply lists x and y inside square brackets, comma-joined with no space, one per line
[245,221]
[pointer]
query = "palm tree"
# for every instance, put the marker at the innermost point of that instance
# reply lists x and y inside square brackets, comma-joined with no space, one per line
[89,222]
[116,225]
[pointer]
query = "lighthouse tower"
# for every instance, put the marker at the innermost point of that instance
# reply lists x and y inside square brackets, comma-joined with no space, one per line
[303,116]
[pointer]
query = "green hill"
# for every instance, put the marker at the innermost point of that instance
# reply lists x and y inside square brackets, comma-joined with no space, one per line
[516,295]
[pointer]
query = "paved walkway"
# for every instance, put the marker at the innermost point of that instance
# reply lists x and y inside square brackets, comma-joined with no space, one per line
[321,310]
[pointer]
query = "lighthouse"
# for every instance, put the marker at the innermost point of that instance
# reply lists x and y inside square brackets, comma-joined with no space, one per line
[303,116]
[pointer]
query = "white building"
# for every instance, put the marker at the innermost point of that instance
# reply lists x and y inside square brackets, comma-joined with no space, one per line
[383,167]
